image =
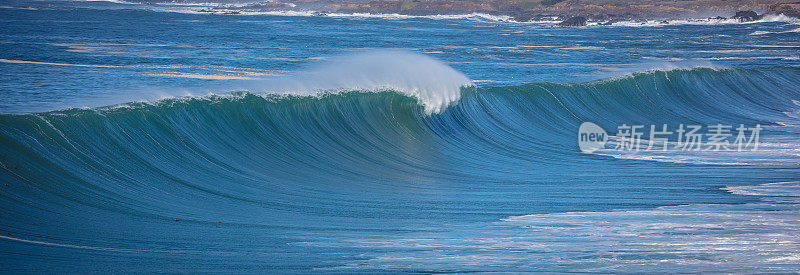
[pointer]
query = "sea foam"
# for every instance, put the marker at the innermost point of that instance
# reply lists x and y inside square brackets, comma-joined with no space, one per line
[730,238]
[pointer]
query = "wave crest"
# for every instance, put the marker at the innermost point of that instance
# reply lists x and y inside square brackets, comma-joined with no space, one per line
[432,82]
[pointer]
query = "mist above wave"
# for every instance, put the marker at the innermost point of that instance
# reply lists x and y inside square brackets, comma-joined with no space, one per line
[432,82]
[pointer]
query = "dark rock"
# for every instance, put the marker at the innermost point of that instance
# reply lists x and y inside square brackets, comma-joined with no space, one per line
[746,16]
[319,13]
[522,17]
[575,21]
[550,2]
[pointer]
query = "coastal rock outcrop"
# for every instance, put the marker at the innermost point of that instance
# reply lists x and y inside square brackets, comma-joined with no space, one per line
[522,16]
[574,21]
[746,16]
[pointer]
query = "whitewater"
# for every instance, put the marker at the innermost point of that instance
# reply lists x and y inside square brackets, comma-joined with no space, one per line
[183,142]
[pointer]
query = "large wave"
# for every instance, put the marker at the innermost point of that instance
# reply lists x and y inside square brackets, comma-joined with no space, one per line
[351,130]
[117,179]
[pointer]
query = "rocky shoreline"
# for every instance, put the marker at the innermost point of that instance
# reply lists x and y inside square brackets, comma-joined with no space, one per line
[569,12]
[788,9]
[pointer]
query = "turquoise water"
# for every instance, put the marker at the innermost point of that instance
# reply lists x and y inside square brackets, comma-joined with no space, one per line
[143,138]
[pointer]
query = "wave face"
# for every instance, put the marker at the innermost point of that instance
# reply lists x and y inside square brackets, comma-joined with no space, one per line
[251,181]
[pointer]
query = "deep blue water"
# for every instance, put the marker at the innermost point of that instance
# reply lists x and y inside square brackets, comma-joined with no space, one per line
[142,138]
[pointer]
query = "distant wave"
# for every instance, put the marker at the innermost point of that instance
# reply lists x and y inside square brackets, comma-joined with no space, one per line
[701,21]
[780,191]
[110,1]
[311,13]
[241,9]
[797,30]
[490,17]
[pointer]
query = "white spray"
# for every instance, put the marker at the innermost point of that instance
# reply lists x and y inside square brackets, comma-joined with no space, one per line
[435,84]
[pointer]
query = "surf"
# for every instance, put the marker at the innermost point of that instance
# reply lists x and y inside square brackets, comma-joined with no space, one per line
[303,172]
[391,118]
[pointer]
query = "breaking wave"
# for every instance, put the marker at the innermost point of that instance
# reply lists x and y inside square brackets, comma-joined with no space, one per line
[245,178]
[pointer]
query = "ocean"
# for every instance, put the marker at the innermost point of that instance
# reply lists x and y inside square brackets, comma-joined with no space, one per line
[159,138]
